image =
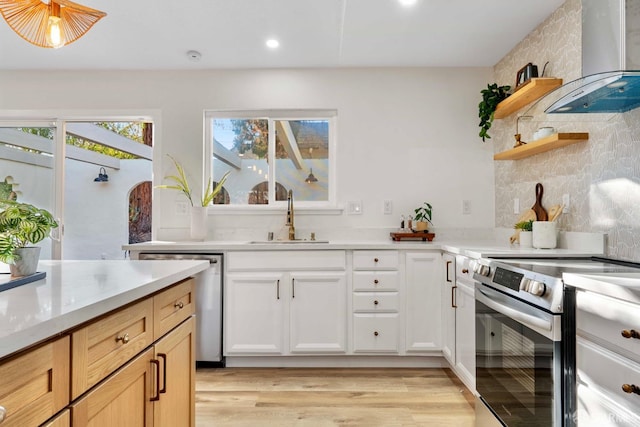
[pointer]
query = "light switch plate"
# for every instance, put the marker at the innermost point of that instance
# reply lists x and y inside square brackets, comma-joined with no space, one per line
[354,207]
[566,201]
[516,206]
[388,207]
[181,208]
[466,207]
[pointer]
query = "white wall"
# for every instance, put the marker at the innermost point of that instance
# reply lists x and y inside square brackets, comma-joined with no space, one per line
[408,135]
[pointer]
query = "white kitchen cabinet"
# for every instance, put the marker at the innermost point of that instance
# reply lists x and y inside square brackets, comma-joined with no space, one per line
[317,315]
[254,313]
[448,290]
[285,302]
[376,302]
[465,366]
[607,361]
[465,323]
[423,302]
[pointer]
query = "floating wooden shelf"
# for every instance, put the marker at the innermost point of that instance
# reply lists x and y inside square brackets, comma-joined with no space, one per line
[534,89]
[551,142]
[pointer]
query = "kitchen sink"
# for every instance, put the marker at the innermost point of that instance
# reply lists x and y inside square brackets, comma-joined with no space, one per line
[285,242]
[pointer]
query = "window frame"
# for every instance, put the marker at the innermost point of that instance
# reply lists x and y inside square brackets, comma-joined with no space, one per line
[328,206]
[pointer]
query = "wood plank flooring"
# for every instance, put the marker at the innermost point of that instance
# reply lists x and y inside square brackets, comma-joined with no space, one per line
[331,397]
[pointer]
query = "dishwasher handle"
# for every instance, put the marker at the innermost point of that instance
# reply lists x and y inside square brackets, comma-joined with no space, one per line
[213,259]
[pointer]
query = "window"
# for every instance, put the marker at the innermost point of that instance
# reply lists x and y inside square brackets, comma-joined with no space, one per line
[271,152]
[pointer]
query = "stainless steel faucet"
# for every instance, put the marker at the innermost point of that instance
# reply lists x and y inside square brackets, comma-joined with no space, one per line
[292,229]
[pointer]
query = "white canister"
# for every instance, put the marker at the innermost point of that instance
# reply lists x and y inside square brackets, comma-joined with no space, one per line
[526,239]
[544,235]
[198,223]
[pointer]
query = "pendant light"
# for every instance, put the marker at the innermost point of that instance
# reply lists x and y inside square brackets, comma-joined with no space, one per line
[50,25]
[311,178]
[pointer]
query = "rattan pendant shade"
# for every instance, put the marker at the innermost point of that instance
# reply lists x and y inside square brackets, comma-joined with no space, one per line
[30,19]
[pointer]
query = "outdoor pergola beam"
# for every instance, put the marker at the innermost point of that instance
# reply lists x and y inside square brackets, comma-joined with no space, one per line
[288,140]
[105,137]
[226,156]
[44,145]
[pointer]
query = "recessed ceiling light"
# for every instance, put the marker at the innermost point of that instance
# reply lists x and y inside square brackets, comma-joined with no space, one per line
[407,2]
[273,43]
[194,55]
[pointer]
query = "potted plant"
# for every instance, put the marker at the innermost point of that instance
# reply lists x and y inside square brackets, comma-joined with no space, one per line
[22,224]
[491,97]
[525,235]
[198,213]
[423,217]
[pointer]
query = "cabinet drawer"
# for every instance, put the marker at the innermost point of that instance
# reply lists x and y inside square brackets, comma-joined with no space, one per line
[104,345]
[35,385]
[172,306]
[607,319]
[375,280]
[375,301]
[375,332]
[286,260]
[375,260]
[606,372]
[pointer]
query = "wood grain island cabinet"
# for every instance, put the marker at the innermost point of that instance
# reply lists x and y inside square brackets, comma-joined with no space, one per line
[134,366]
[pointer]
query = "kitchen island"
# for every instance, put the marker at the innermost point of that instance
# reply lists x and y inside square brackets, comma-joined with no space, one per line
[87,344]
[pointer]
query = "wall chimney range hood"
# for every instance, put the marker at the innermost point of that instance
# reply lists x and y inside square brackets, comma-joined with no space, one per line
[610,41]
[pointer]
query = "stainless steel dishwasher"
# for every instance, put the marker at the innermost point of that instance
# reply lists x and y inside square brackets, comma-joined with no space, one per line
[208,305]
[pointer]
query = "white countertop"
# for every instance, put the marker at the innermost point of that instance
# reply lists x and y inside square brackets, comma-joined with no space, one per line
[624,286]
[74,292]
[473,249]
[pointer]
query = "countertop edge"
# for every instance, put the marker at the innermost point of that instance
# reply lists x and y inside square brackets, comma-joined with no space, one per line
[47,329]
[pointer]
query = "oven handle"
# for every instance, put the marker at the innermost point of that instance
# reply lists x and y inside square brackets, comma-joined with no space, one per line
[528,320]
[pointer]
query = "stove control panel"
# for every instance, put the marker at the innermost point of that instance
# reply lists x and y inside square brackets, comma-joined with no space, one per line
[481,269]
[534,287]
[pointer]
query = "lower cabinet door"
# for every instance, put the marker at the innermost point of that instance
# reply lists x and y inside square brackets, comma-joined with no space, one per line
[122,400]
[176,386]
[63,419]
[465,365]
[35,385]
[376,332]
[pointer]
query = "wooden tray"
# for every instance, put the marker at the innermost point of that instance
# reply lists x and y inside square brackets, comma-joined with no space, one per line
[8,282]
[412,236]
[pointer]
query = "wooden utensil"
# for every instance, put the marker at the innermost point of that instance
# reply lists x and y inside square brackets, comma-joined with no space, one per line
[528,215]
[541,214]
[555,211]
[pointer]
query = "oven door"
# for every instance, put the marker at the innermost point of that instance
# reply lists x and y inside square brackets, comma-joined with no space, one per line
[518,363]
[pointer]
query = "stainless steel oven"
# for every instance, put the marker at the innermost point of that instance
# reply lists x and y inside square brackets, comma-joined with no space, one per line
[525,339]
[519,366]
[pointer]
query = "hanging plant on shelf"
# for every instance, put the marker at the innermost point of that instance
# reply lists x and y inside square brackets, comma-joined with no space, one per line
[491,97]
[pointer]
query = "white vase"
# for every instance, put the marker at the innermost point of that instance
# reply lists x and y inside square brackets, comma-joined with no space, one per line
[27,263]
[526,239]
[544,235]
[198,222]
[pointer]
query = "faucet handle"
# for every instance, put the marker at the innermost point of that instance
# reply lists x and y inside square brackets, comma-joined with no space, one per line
[313,236]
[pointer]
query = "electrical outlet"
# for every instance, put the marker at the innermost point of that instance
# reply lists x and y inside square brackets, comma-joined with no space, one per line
[388,207]
[566,201]
[466,207]
[516,206]
[181,208]
[354,207]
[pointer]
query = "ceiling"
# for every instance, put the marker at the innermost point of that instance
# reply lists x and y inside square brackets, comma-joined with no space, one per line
[156,34]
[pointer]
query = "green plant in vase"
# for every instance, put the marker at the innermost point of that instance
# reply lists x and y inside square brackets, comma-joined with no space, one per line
[182,185]
[422,217]
[22,224]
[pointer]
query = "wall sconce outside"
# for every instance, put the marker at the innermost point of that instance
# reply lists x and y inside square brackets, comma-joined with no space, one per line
[102,176]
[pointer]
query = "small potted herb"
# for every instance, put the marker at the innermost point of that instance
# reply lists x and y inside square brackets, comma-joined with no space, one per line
[423,217]
[525,234]
[22,224]
[491,97]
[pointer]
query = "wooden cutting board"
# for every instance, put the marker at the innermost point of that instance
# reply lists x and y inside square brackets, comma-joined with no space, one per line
[541,213]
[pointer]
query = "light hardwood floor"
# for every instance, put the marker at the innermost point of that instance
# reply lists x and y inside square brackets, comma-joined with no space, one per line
[331,397]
